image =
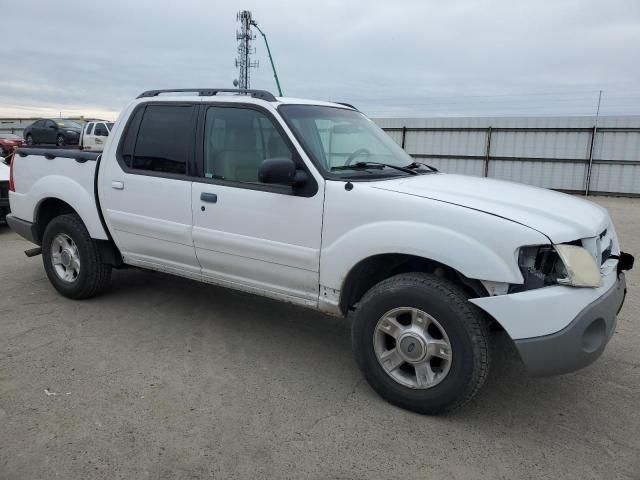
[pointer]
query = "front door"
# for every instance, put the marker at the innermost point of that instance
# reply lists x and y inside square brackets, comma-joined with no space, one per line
[147,189]
[248,235]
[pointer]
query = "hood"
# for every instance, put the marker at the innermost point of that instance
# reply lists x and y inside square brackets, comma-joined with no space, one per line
[561,217]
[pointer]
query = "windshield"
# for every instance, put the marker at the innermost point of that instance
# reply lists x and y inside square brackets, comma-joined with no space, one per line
[110,125]
[344,141]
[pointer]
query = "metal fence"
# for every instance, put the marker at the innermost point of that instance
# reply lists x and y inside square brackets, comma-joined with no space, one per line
[572,154]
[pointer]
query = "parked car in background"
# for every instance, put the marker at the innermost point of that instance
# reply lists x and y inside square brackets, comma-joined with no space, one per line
[7,143]
[94,135]
[4,189]
[47,131]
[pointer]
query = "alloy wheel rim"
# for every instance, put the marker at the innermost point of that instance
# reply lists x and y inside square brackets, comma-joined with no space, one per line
[412,347]
[65,258]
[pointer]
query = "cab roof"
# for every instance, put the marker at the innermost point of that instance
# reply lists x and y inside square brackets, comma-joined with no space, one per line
[234,95]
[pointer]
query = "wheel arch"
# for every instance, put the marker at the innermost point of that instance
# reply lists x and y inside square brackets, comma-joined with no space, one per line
[48,209]
[71,196]
[376,268]
[52,207]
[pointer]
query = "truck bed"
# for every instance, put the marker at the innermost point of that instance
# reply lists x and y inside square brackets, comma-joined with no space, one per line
[50,173]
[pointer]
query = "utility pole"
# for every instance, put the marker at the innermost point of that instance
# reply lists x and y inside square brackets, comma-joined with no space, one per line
[273,67]
[243,61]
[587,186]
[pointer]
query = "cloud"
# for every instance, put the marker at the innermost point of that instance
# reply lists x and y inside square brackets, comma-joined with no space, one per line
[462,57]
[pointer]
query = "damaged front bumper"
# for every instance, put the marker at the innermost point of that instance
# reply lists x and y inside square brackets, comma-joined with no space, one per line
[559,329]
[579,343]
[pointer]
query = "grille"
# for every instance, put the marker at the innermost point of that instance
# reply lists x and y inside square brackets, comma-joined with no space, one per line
[605,245]
[606,253]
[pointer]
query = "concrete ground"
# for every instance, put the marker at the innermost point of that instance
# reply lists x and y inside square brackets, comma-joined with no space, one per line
[165,378]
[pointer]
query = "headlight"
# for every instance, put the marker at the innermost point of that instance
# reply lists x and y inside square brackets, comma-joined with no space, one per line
[580,266]
[544,265]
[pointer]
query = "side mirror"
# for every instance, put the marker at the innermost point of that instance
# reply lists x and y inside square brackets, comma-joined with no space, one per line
[281,171]
[53,127]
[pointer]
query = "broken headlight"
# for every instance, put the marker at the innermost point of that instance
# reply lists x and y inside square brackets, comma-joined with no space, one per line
[545,265]
[541,266]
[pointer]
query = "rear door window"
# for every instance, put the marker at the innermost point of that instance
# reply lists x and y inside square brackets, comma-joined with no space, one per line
[159,139]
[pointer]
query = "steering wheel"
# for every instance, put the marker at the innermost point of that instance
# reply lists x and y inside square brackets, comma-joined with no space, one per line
[357,153]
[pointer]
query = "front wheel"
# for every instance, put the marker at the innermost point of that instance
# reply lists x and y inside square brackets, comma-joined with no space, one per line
[60,141]
[420,343]
[29,140]
[72,260]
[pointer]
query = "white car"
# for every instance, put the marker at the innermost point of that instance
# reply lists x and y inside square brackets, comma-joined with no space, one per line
[311,203]
[94,135]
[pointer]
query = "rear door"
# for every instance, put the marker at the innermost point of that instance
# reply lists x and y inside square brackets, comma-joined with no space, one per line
[38,131]
[49,132]
[257,237]
[147,188]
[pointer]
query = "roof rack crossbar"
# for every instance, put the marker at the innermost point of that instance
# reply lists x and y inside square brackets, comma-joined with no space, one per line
[210,92]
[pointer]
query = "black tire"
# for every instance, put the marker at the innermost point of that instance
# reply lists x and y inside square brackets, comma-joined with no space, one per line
[464,324]
[29,140]
[94,274]
[60,140]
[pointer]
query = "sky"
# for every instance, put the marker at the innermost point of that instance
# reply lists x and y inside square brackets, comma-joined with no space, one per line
[389,58]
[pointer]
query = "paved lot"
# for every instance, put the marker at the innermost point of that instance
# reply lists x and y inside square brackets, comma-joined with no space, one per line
[167,378]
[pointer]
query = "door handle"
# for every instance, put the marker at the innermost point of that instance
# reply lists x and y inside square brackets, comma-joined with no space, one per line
[117,185]
[209,197]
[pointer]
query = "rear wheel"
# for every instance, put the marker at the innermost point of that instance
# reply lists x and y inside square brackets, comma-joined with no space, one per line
[72,260]
[420,343]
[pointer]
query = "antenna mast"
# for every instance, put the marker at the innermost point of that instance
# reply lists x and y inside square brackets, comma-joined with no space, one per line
[244,64]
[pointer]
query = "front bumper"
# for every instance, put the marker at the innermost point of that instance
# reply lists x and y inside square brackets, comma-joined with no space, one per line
[579,343]
[552,326]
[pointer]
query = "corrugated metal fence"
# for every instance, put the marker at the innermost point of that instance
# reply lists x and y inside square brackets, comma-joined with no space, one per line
[563,153]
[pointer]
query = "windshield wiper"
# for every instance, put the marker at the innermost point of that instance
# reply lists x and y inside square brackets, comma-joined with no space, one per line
[414,165]
[364,165]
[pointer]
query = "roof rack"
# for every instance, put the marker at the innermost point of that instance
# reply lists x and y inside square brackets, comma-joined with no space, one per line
[211,92]
[346,105]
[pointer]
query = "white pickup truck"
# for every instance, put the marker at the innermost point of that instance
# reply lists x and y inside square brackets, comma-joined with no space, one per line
[94,134]
[311,203]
